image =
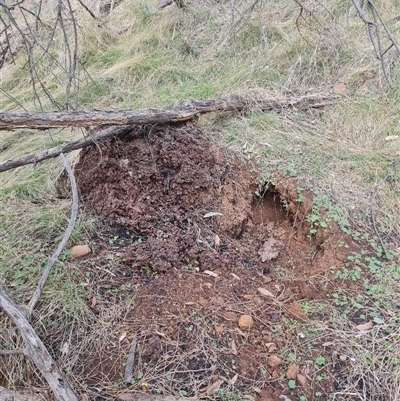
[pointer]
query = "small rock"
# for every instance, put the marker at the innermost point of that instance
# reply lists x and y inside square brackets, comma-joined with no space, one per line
[295,311]
[246,322]
[301,379]
[79,251]
[274,361]
[292,371]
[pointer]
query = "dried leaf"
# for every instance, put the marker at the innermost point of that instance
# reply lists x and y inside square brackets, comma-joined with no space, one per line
[391,138]
[94,302]
[234,349]
[217,241]
[234,379]
[212,388]
[210,273]
[265,292]
[212,214]
[240,332]
[366,326]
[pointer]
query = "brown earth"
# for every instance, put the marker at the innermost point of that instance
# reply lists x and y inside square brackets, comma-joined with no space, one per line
[176,282]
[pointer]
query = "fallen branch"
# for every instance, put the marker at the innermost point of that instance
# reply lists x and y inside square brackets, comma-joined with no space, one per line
[53,258]
[33,158]
[180,111]
[35,349]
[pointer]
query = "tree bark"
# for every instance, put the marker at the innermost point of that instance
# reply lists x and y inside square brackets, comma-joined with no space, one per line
[180,111]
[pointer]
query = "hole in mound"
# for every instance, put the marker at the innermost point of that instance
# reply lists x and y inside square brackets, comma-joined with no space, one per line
[269,207]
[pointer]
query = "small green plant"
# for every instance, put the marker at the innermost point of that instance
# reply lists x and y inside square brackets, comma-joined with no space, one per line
[292,384]
[320,361]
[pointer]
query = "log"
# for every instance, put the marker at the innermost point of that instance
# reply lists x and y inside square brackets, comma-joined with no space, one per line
[179,111]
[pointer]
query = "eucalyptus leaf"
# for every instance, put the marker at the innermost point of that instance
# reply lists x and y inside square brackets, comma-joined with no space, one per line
[212,214]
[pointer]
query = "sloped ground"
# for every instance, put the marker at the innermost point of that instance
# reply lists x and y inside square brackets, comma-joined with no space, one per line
[202,243]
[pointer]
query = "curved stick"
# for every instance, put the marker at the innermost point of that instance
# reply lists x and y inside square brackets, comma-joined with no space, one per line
[53,258]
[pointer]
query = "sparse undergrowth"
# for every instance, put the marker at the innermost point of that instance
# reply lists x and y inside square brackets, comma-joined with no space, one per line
[348,154]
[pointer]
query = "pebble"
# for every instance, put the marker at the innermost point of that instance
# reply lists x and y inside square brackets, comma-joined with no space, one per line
[79,251]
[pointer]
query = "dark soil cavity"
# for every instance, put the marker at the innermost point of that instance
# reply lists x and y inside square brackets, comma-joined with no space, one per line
[193,276]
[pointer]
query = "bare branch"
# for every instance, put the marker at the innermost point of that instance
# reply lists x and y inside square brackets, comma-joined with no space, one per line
[35,349]
[68,147]
[179,111]
[373,30]
[12,352]
[63,243]
[88,9]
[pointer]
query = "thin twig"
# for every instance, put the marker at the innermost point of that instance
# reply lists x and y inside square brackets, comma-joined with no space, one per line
[87,9]
[12,352]
[57,253]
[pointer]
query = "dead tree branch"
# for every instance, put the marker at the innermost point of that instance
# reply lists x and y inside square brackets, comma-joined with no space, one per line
[34,158]
[63,243]
[34,34]
[35,349]
[180,111]
[374,27]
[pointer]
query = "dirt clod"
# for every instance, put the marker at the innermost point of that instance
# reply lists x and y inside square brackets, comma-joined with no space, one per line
[292,371]
[295,311]
[301,380]
[274,361]
[246,322]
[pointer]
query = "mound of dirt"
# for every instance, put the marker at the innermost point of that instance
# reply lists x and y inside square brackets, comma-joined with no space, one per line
[205,243]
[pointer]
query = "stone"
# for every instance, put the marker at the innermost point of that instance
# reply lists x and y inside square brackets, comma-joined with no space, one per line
[246,322]
[78,251]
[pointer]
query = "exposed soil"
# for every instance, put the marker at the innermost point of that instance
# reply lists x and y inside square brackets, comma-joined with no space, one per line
[199,249]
